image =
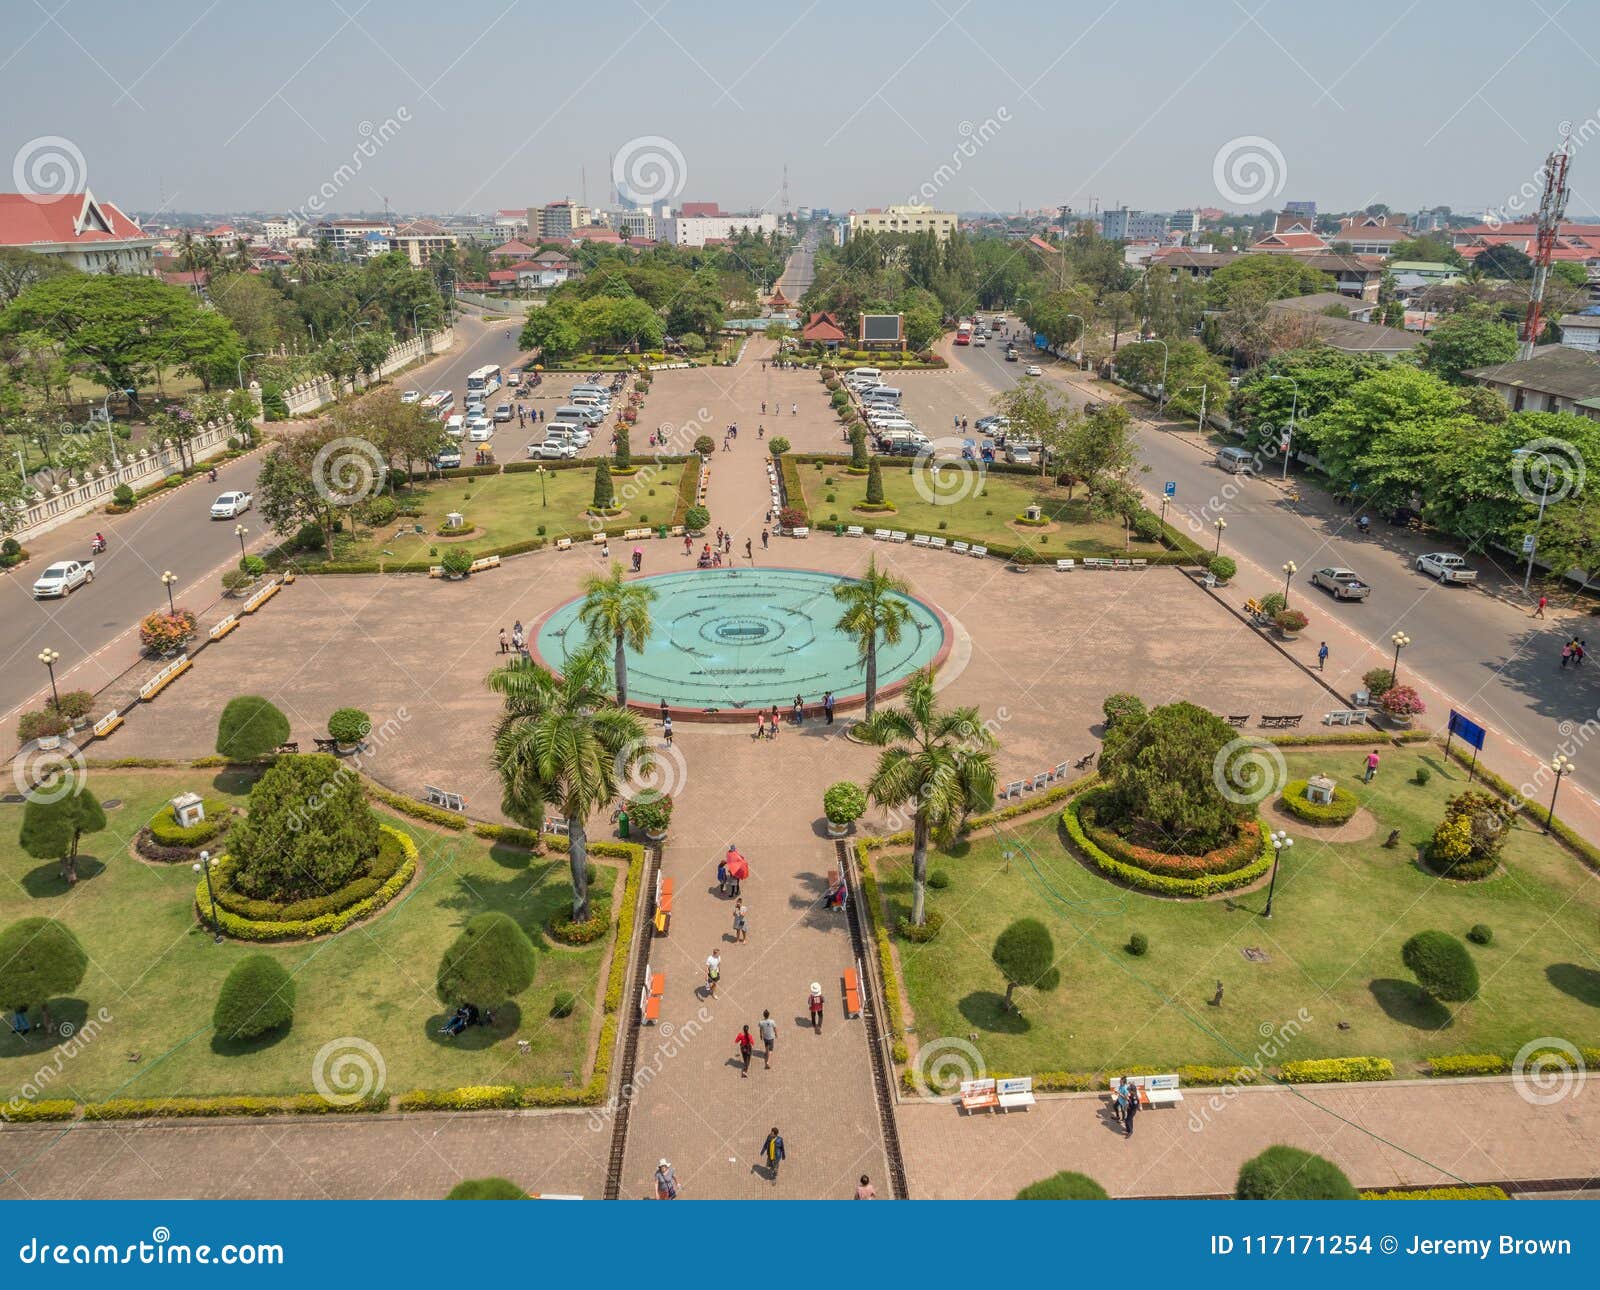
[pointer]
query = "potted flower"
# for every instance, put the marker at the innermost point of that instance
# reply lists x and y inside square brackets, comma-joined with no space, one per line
[75,706]
[1400,704]
[349,728]
[1290,623]
[844,803]
[652,814]
[163,633]
[46,727]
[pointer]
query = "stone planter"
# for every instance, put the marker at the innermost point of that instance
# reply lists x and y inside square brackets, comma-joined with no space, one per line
[838,830]
[1288,635]
[655,835]
[346,750]
[1400,720]
[48,743]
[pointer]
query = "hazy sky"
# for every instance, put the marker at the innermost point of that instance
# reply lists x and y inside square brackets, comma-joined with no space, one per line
[218,105]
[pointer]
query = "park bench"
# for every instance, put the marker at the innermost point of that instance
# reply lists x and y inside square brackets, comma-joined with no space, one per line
[326,745]
[919,539]
[651,994]
[1239,722]
[880,535]
[1013,789]
[855,530]
[1140,564]
[938,543]
[600,539]
[898,535]
[1017,1091]
[978,1094]
[1040,780]
[960,548]
[484,562]
[979,551]
[852,993]
[1122,565]
[1153,1090]
[663,918]
[1091,562]
[1344,717]
[1065,566]
[1284,721]
[283,749]
[802,532]
[563,544]
[1060,771]
[438,797]
[107,724]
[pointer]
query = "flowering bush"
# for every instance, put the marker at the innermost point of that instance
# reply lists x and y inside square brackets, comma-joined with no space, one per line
[1290,620]
[844,802]
[1402,701]
[790,518]
[162,633]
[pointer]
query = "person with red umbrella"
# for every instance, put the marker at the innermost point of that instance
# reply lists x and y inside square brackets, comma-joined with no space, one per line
[738,868]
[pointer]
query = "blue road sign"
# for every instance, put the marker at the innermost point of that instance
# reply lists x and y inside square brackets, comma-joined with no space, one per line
[1170,488]
[1467,730]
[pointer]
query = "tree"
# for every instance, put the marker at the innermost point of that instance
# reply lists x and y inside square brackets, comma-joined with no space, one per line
[491,961]
[604,494]
[1288,1173]
[1026,956]
[552,331]
[622,451]
[874,483]
[1036,416]
[309,831]
[1276,277]
[1472,338]
[1430,248]
[1160,776]
[486,1189]
[52,827]
[1442,965]
[561,742]
[617,611]
[1504,261]
[40,960]
[937,762]
[20,269]
[874,606]
[923,327]
[858,448]
[250,729]
[1317,377]
[256,999]
[1064,1186]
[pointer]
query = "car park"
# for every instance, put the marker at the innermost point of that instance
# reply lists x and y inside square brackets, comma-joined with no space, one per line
[1446,567]
[480,432]
[1018,455]
[1342,584]
[63,578]
[229,505]
[456,426]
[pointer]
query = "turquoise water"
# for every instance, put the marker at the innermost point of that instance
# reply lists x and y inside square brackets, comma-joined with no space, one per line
[746,638]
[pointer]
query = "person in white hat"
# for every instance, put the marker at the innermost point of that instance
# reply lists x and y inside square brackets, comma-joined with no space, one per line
[666,1181]
[814,1003]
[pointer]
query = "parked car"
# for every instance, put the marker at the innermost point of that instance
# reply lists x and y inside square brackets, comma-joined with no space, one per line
[982,339]
[1011,354]
[411,396]
[447,458]
[62,578]
[481,432]
[229,505]
[513,378]
[1446,567]
[1342,583]
[503,412]
[1034,370]
[553,449]
[1019,456]
[476,423]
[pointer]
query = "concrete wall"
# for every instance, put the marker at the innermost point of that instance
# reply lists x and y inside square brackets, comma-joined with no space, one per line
[309,396]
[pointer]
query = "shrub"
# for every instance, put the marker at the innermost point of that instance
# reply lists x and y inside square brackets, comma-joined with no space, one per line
[1274,604]
[920,933]
[844,802]
[250,728]
[1480,934]
[1421,776]
[604,493]
[122,495]
[1138,945]
[256,999]
[1196,876]
[1377,681]
[696,518]
[1222,567]
[1337,1070]
[43,724]
[1402,701]
[563,1004]
[309,830]
[778,446]
[382,510]
[1294,800]
[1468,1064]
[309,537]
[874,483]
[163,632]
[705,445]
[1122,708]
[1161,781]
[75,704]
[491,961]
[11,553]
[457,562]
[1064,1186]
[652,813]
[791,517]
[1467,843]
[1488,1192]
[40,960]
[1288,1173]
[587,932]
[1290,620]
[167,832]
[486,1189]
[1146,526]
[349,726]
[235,580]
[1442,965]
[1025,954]
[938,880]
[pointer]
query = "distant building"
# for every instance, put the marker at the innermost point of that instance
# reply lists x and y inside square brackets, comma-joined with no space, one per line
[1373,234]
[1353,275]
[640,225]
[277,232]
[1124,225]
[512,221]
[555,222]
[1292,234]
[823,329]
[421,240]
[354,239]
[1301,210]
[512,251]
[90,235]
[1556,379]
[686,229]
[1348,331]
[904,219]
[1581,331]
[1184,222]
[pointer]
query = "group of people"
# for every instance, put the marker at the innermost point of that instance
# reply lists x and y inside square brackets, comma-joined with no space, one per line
[1573,652]
[466,1015]
[767,722]
[1127,1106]
[517,641]
[525,414]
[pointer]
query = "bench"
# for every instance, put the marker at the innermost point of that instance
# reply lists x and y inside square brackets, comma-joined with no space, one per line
[326,745]
[438,797]
[979,551]
[1065,566]
[222,628]
[1091,562]
[556,824]
[664,895]
[1060,772]
[1344,717]
[960,548]
[283,749]
[880,535]
[1153,1090]
[1122,565]
[1040,780]
[1284,721]
[978,1094]
[1017,1091]
[801,532]
[651,994]
[938,543]
[852,993]
[897,535]
[1013,789]
[920,539]
[1141,564]
[484,562]
[855,530]
[563,544]
[1239,723]
[107,724]
[600,539]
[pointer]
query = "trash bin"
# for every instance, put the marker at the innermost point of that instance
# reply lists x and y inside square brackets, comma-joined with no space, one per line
[838,530]
[622,824]
[661,531]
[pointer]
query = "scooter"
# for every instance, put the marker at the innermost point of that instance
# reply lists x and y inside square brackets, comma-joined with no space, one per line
[97,546]
[1364,526]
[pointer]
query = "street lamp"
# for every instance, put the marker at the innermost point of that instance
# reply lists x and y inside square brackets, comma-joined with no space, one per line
[1281,842]
[105,417]
[1544,496]
[1220,525]
[1083,334]
[205,864]
[50,658]
[1290,568]
[167,579]
[242,362]
[1562,765]
[1161,399]
[1294,406]
[1200,425]
[239,531]
[542,472]
[1401,640]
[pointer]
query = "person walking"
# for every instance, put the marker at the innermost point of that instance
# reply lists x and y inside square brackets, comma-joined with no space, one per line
[505,642]
[1566,654]
[741,925]
[1121,1107]
[722,877]
[799,711]
[666,730]
[827,706]
[764,536]
[865,1190]
[713,973]
[769,1036]
[665,715]
[814,1006]
[794,409]
[666,1181]
[1133,1110]
[517,638]
[761,725]
[1322,655]
[1578,651]
[1372,766]
[772,1151]
[744,1042]
[748,552]
[1539,609]
[688,545]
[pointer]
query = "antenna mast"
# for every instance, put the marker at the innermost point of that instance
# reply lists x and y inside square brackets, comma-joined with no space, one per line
[1552,206]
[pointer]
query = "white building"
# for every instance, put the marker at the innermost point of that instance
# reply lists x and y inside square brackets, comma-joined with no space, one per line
[355,238]
[277,232]
[1581,331]
[640,225]
[1124,225]
[904,219]
[697,230]
[90,235]
[1184,222]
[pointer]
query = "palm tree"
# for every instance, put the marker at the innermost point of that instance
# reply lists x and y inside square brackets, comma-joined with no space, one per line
[619,611]
[874,606]
[940,763]
[561,742]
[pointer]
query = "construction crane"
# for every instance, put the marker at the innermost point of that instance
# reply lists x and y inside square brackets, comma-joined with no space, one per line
[1547,227]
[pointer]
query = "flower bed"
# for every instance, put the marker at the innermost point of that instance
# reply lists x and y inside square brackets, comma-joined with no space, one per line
[1197,885]
[1171,864]
[1338,811]
[1336,1070]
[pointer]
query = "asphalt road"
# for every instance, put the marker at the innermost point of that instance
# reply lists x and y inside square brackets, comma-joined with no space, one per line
[1478,647]
[94,629]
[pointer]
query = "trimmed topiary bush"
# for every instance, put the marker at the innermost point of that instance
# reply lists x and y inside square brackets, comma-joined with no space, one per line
[456,562]
[40,960]
[256,999]
[1442,965]
[1064,1186]
[696,518]
[1122,707]
[844,802]
[938,880]
[563,1004]
[1480,934]
[1288,1173]
[491,961]
[349,726]
[1466,844]
[1377,681]
[309,831]
[486,1189]
[1025,954]
[165,829]
[250,728]
[1138,945]
[1297,804]
[1222,567]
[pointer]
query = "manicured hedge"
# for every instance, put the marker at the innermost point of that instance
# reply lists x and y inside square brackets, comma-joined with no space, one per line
[1064,1186]
[1220,862]
[165,830]
[1440,1193]
[57,1108]
[417,810]
[1468,1064]
[1336,1070]
[145,1108]
[1339,811]
[391,854]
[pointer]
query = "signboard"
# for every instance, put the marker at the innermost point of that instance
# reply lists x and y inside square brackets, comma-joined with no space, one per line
[1170,488]
[1527,544]
[1040,340]
[1465,729]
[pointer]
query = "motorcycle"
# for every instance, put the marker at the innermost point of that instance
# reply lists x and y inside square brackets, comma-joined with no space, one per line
[1364,526]
[97,546]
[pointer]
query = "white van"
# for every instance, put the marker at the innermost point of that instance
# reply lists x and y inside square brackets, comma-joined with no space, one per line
[864,374]
[604,391]
[456,426]
[880,394]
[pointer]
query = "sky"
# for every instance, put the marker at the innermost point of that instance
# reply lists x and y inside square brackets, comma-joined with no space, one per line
[323,106]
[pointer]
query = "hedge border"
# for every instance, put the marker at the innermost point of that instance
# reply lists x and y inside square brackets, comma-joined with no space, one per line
[143,1108]
[1487,1191]
[1336,1070]
[1343,809]
[1139,879]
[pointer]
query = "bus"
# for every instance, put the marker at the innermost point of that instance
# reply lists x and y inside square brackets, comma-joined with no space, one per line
[438,404]
[484,380]
[964,334]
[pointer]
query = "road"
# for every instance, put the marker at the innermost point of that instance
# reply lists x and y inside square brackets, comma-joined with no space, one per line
[95,629]
[1478,649]
[799,269]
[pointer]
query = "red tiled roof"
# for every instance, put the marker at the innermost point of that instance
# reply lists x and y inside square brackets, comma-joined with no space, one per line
[26,218]
[593,233]
[186,278]
[1041,244]
[513,247]
[502,275]
[698,210]
[822,327]
[1292,242]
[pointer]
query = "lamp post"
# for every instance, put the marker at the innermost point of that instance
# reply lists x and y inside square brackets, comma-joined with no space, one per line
[1220,524]
[239,531]
[105,417]
[167,579]
[242,361]
[1401,640]
[205,864]
[1083,334]
[1562,765]
[1200,425]
[1294,406]
[49,658]
[543,500]
[1290,568]
[1544,496]
[1281,842]
[1161,391]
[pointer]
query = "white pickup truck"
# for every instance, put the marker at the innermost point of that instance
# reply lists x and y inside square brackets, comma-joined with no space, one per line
[1446,567]
[63,578]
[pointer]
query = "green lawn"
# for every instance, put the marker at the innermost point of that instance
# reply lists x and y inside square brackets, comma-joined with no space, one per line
[511,508]
[977,516]
[156,975]
[1340,916]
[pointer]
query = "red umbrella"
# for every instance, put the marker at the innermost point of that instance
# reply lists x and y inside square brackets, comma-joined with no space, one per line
[738,866]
